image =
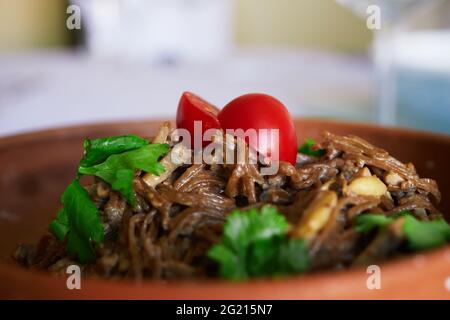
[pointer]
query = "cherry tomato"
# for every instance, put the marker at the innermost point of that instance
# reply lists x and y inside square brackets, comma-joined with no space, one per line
[193,108]
[261,111]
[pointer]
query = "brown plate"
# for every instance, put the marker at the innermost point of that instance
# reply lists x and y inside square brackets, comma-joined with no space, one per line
[36,167]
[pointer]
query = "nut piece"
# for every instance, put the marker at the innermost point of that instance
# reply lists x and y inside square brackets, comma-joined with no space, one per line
[163,133]
[171,162]
[364,172]
[393,179]
[316,215]
[367,186]
[327,184]
[102,190]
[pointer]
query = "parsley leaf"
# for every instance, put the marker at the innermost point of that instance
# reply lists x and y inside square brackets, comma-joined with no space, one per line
[60,225]
[246,227]
[420,235]
[98,150]
[115,160]
[80,247]
[79,220]
[307,148]
[254,243]
[118,169]
[368,222]
[293,256]
[423,235]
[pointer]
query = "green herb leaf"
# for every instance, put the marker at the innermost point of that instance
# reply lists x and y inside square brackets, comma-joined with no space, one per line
[368,222]
[60,225]
[80,247]
[254,243]
[293,256]
[79,220]
[420,235]
[118,169]
[423,235]
[82,213]
[242,228]
[307,148]
[230,263]
[115,160]
[98,150]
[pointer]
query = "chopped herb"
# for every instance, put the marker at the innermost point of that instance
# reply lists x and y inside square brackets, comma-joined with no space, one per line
[420,235]
[308,149]
[368,222]
[115,160]
[118,169]
[423,235]
[254,243]
[60,225]
[79,220]
[293,256]
[98,150]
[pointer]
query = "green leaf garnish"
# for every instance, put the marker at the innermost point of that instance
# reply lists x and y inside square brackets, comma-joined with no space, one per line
[307,148]
[420,235]
[60,225]
[423,235]
[254,243]
[98,150]
[118,169]
[115,160]
[79,220]
[293,256]
[368,222]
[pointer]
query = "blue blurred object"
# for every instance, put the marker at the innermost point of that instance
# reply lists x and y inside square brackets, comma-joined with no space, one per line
[423,99]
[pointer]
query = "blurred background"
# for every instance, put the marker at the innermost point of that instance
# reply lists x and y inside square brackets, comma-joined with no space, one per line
[132,59]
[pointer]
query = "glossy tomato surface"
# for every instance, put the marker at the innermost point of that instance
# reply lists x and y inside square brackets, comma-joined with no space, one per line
[261,111]
[193,108]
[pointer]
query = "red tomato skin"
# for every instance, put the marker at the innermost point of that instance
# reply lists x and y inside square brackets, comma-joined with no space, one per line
[193,108]
[261,111]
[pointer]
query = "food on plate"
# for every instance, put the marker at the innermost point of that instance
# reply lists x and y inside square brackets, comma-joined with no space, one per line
[176,207]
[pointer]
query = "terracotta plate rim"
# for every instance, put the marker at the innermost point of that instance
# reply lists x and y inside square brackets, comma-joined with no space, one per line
[65,131]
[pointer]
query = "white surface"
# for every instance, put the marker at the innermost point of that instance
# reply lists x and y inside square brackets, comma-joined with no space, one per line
[52,89]
[424,50]
[154,30]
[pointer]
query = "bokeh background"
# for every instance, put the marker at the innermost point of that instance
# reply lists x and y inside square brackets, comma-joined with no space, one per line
[132,59]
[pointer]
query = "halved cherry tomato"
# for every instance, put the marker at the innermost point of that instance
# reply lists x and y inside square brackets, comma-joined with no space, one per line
[193,108]
[261,111]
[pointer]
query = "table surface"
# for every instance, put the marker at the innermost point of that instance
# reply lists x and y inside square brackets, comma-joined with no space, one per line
[56,88]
